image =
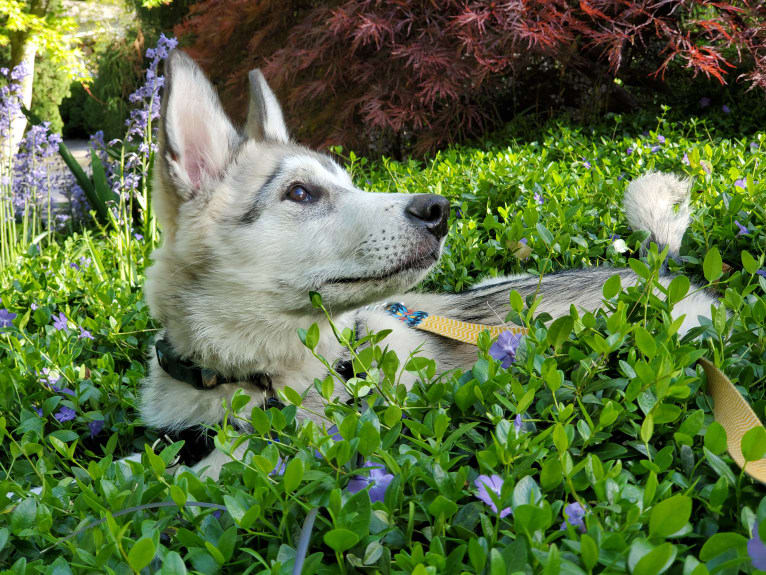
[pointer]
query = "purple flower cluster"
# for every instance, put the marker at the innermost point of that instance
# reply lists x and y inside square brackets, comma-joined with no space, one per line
[10,98]
[141,126]
[36,175]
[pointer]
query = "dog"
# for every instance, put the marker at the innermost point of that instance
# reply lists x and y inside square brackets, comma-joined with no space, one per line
[253,223]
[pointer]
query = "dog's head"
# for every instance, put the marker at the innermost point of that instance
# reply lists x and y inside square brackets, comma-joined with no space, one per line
[254,220]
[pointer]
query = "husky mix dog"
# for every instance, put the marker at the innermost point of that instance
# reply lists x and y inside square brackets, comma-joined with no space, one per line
[253,222]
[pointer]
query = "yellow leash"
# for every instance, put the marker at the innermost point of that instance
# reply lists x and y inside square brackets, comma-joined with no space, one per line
[730,409]
[735,415]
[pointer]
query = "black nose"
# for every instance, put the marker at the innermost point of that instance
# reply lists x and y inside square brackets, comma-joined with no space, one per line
[430,211]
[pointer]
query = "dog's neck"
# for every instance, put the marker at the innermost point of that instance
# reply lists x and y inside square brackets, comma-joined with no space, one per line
[263,345]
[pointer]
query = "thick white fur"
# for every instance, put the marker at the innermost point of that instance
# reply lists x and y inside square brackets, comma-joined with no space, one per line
[659,203]
[230,283]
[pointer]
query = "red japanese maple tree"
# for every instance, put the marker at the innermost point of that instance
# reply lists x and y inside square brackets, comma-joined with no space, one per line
[374,73]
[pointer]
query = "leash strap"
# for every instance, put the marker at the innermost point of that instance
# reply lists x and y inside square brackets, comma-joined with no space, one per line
[451,328]
[730,409]
[735,415]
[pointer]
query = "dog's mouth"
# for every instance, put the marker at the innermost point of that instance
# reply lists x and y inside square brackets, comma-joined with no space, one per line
[414,264]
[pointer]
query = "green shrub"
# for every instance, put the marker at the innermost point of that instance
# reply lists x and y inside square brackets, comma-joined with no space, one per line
[119,71]
[599,433]
[50,87]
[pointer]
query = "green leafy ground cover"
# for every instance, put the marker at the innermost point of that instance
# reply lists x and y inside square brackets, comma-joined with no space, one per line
[601,420]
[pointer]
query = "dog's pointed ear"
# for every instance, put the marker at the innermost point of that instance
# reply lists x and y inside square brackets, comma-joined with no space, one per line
[196,137]
[264,116]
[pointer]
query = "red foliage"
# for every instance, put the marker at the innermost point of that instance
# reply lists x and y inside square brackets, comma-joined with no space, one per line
[432,71]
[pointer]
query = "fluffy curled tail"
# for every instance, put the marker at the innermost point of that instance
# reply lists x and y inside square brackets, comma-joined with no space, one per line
[659,204]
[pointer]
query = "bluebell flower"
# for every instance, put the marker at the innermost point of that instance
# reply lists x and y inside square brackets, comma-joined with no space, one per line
[504,349]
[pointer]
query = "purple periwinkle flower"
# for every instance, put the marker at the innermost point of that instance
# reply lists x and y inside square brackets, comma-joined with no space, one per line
[754,147]
[63,390]
[704,102]
[334,433]
[629,151]
[74,266]
[64,414]
[6,318]
[574,514]
[38,411]
[493,483]
[654,149]
[538,197]
[756,549]
[95,427]
[660,138]
[743,231]
[279,468]
[48,378]
[585,163]
[725,109]
[761,272]
[60,321]
[740,183]
[138,236]
[504,349]
[518,423]
[685,160]
[33,306]
[85,262]
[85,334]
[379,479]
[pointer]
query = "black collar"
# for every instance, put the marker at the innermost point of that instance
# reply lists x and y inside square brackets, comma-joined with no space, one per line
[198,443]
[200,377]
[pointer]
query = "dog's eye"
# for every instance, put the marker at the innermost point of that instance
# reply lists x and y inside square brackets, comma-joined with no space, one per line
[299,194]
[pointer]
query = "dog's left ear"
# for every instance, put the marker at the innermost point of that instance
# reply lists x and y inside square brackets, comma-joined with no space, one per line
[264,116]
